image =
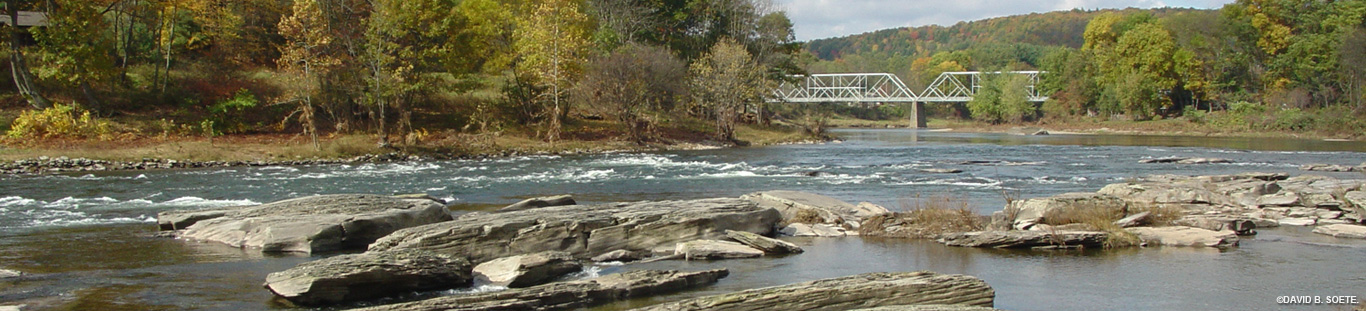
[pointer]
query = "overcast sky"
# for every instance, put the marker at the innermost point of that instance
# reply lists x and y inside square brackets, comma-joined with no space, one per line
[816,19]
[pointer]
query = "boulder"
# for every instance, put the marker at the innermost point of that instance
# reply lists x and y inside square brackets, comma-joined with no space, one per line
[533,203]
[1356,198]
[584,230]
[1034,211]
[619,255]
[1134,220]
[180,219]
[797,206]
[763,243]
[315,223]
[851,292]
[570,295]
[1343,231]
[1025,239]
[1279,199]
[6,273]
[714,249]
[1185,236]
[1239,226]
[368,276]
[816,230]
[1302,222]
[526,270]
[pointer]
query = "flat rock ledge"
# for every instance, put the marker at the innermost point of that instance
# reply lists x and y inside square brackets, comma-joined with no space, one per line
[1025,239]
[851,292]
[6,273]
[366,276]
[585,230]
[930,308]
[715,249]
[309,224]
[769,245]
[810,208]
[534,203]
[568,295]
[526,270]
[1185,236]
[1343,231]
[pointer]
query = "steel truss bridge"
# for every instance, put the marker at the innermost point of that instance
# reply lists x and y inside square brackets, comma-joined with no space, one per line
[885,88]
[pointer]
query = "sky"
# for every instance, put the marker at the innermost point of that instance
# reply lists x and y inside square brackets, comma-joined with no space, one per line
[817,19]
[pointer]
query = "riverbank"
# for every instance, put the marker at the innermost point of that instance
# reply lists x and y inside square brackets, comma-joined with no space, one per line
[175,152]
[1169,127]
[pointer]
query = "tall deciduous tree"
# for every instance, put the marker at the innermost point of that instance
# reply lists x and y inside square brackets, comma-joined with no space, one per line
[307,51]
[23,79]
[75,49]
[724,81]
[632,82]
[552,40]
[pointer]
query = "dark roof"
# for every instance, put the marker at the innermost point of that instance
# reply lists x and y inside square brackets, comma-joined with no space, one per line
[26,19]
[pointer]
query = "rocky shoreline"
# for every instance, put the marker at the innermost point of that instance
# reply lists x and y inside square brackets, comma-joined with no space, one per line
[533,247]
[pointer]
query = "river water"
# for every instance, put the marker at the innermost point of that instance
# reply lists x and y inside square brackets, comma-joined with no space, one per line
[85,239]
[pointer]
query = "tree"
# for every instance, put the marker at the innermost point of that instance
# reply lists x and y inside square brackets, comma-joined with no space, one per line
[23,79]
[632,82]
[723,81]
[1003,98]
[306,53]
[75,50]
[552,41]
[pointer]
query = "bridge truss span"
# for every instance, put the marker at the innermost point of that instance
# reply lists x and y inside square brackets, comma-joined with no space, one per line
[885,88]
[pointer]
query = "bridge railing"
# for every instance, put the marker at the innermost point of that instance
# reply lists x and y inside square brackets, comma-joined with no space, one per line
[887,88]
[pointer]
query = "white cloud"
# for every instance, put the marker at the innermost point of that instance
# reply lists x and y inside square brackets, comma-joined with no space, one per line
[815,19]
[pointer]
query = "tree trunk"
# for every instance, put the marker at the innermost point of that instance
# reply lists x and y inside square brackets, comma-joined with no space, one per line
[92,102]
[170,41]
[23,79]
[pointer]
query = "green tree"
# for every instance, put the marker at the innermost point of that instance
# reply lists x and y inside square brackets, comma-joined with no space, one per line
[724,81]
[74,48]
[552,40]
[1002,98]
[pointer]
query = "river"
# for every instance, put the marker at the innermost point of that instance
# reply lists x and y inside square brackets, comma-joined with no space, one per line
[85,239]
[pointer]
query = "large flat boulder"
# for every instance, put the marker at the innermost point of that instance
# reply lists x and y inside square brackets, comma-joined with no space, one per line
[715,249]
[368,276]
[1342,231]
[585,230]
[1185,236]
[1025,239]
[804,207]
[316,223]
[851,292]
[527,270]
[568,295]
[763,243]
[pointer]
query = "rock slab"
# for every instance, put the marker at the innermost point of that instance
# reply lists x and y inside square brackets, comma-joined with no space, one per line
[1185,236]
[366,276]
[763,243]
[851,292]
[526,270]
[6,273]
[568,295]
[714,249]
[795,204]
[585,230]
[534,203]
[313,224]
[1025,239]
[1343,231]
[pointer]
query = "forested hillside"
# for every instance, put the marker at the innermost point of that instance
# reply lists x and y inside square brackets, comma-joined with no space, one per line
[1289,65]
[396,68]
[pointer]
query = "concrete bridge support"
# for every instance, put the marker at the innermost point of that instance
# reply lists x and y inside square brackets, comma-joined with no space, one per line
[918,113]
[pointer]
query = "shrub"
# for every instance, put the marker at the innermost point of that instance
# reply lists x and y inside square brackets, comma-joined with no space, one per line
[59,121]
[228,115]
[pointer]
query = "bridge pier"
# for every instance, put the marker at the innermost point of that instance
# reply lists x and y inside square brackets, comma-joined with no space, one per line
[918,113]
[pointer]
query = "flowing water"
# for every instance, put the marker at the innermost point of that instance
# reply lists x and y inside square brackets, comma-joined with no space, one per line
[85,239]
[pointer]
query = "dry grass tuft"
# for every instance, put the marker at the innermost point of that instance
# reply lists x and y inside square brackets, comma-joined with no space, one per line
[806,216]
[925,219]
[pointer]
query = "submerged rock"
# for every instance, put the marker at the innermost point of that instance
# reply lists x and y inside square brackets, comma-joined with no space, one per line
[1343,231]
[533,203]
[367,276]
[568,295]
[526,270]
[1025,239]
[763,243]
[1185,236]
[619,255]
[851,292]
[311,224]
[584,230]
[714,249]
